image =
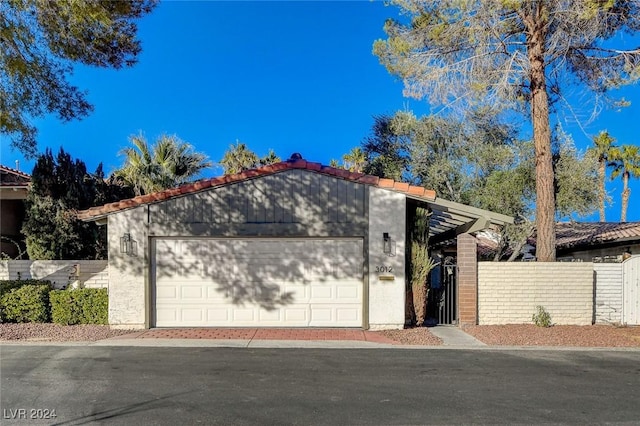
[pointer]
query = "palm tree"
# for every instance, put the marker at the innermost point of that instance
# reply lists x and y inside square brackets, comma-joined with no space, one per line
[168,163]
[603,144]
[355,160]
[626,163]
[238,158]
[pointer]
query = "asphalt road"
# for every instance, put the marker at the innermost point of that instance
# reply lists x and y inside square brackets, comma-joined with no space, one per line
[179,386]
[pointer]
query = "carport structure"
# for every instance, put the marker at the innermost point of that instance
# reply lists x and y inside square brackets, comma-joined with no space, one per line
[293,244]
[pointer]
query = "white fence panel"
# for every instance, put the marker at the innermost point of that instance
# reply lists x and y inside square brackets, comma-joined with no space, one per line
[62,273]
[608,293]
[631,291]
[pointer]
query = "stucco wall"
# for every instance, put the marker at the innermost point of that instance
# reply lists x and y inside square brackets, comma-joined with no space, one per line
[508,293]
[83,273]
[608,292]
[129,274]
[387,213]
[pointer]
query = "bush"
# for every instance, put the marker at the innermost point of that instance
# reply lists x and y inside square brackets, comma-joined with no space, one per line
[7,285]
[541,318]
[28,303]
[80,306]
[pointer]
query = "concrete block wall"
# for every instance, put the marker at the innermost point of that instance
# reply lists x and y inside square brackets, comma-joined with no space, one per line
[508,293]
[608,293]
[83,273]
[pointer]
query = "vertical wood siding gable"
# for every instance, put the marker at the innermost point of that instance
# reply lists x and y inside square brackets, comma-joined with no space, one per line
[295,196]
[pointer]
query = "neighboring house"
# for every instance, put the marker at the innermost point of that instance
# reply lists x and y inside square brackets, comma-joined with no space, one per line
[293,244]
[597,241]
[578,242]
[14,186]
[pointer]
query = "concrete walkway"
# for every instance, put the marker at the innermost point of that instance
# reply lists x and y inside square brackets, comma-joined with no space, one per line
[452,335]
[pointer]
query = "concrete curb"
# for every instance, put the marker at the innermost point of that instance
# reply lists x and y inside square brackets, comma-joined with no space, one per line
[301,344]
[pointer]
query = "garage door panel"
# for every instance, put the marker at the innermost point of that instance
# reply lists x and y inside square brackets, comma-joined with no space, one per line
[191,292]
[296,315]
[290,283]
[244,315]
[220,316]
[350,293]
[273,316]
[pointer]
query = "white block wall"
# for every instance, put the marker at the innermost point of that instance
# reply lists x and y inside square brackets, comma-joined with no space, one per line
[608,292]
[92,273]
[508,292]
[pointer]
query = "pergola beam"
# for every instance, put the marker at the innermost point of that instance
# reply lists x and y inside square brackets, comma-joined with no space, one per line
[472,226]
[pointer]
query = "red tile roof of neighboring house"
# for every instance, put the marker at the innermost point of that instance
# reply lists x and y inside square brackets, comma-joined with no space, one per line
[572,234]
[12,177]
[414,191]
[577,234]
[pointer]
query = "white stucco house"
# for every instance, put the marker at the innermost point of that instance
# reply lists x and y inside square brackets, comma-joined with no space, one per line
[293,244]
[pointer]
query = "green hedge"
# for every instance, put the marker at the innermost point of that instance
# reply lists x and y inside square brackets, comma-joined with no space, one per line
[27,303]
[7,285]
[81,306]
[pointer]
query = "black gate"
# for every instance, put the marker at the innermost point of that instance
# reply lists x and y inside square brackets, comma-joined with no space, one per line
[442,305]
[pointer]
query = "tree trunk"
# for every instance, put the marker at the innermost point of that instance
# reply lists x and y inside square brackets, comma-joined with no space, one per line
[545,190]
[601,190]
[626,192]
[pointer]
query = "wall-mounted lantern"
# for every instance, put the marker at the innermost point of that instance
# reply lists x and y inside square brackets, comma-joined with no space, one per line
[386,243]
[128,246]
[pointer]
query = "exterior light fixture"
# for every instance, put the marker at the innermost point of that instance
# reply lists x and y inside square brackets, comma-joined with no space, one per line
[386,243]
[127,245]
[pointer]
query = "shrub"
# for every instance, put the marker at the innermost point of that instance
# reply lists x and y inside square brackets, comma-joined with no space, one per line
[541,318]
[7,285]
[80,306]
[28,303]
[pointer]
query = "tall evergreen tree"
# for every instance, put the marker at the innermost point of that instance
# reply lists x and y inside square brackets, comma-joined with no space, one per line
[41,40]
[515,54]
[60,187]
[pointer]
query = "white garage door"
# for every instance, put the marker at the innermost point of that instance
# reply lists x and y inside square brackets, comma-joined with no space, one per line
[258,282]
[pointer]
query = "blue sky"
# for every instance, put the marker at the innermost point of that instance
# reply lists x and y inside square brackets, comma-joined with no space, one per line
[290,76]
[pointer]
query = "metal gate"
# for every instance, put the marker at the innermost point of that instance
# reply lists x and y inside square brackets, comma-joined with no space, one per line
[631,291]
[442,304]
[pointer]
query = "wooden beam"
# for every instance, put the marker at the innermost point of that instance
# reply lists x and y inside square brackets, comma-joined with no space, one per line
[472,226]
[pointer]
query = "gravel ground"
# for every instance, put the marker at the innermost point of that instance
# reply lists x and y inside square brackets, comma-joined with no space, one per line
[412,336]
[498,335]
[557,335]
[57,333]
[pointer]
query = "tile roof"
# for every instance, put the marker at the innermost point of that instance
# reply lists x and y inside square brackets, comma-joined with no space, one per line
[576,234]
[572,234]
[12,177]
[301,164]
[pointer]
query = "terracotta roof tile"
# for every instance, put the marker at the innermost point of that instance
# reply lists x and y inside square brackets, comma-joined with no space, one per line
[343,173]
[202,184]
[416,190]
[369,180]
[186,189]
[401,186]
[298,164]
[386,183]
[571,234]
[390,184]
[316,167]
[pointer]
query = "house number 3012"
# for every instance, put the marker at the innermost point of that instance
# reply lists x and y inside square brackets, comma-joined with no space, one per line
[384,269]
